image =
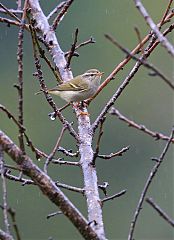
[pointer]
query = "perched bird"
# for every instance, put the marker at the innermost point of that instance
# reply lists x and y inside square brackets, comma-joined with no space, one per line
[79,88]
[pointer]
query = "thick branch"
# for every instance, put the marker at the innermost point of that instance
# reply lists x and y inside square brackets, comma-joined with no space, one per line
[48,187]
[50,38]
[90,176]
[5,236]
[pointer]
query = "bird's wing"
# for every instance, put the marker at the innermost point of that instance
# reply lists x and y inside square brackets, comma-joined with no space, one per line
[73,85]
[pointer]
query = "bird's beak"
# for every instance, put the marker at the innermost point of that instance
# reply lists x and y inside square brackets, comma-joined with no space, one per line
[100,74]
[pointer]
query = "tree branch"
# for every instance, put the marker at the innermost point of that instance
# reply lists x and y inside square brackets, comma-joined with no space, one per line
[160,211]
[164,42]
[156,135]
[4,192]
[152,174]
[48,187]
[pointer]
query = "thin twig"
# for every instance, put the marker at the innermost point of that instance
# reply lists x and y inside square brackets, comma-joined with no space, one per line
[164,42]
[145,63]
[43,55]
[96,153]
[11,14]
[51,155]
[7,166]
[71,188]
[116,154]
[50,39]
[89,41]
[9,21]
[4,193]
[38,153]
[55,10]
[139,39]
[54,214]
[152,174]
[73,48]
[62,162]
[61,14]
[12,214]
[68,152]
[20,179]
[160,211]
[127,80]
[113,196]
[165,14]
[121,65]
[20,78]
[156,135]
[15,11]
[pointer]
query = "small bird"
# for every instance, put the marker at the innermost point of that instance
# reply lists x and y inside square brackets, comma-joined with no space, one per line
[79,88]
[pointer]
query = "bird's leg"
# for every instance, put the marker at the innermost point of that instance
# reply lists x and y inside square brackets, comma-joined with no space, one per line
[81,105]
[65,106]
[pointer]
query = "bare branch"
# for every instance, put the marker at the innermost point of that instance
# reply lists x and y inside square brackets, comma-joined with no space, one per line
[4,193]
[156,135]
[68,152]
[116,154]
[62,162]
[160,211]
[12,214]
[9,21]
[54,214]
[10,13]
[48,187]
[29,142]
[71,188]
[62,13]
[113,196]
[90,176]
[165,14]
[139,39]
[133,52]
[89,41]
[20,78]
[50,157]
[96,154]
[55,10]
[5,236]
[164,42]
[15,11]
[152,174]
[73,48]
[127,80]
[145,63]
[51,40]
[20,179]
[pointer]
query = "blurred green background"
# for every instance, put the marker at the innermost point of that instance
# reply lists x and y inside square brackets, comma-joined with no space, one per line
[147,100]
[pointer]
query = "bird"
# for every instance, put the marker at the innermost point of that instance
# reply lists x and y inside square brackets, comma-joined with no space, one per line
[79,88]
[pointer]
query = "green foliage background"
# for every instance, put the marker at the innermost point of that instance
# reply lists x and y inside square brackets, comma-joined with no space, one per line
[147,100]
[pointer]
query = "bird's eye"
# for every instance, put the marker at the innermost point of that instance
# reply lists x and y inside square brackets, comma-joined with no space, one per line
[92,75]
